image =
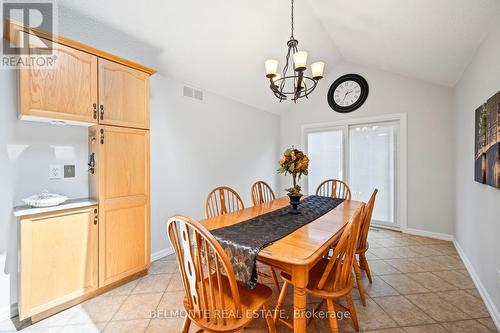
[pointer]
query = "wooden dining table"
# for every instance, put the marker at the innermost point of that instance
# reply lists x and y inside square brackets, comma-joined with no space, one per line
[297,252]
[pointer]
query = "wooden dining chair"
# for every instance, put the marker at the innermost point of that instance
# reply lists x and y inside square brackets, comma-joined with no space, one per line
[261,192]
[332,277]
[213,299]
[222,200]
[334,188]
[363,245]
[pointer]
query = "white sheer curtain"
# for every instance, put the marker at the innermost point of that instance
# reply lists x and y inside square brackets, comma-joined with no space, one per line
[372,164]
[368,162]
[325,152]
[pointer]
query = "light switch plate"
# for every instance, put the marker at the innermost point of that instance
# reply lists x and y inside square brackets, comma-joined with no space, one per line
[69,171]
[55,171]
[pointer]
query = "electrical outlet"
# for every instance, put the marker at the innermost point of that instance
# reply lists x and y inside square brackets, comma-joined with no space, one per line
[69,171]
[55,171]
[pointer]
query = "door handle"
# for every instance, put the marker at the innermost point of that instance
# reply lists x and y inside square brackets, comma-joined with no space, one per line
[91,163]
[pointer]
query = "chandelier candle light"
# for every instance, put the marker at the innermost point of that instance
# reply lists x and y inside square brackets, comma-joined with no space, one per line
[295,84]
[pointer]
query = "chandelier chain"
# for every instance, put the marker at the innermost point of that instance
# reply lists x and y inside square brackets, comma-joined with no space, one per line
[296,84]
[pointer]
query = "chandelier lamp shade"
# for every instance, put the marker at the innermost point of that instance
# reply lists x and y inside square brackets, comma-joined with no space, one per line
[293,82]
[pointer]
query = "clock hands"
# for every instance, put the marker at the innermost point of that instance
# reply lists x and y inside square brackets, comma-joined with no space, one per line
[347,93]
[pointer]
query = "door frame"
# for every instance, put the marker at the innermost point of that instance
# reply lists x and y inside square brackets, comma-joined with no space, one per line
[402,163]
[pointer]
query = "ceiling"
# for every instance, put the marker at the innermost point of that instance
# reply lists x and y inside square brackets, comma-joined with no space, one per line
[220,46]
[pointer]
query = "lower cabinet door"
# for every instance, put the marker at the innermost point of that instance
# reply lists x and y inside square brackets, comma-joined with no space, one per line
[124,239]
[59,258]
[123,171]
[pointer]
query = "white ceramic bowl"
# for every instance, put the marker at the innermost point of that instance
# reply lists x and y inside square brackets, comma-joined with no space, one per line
[45,199]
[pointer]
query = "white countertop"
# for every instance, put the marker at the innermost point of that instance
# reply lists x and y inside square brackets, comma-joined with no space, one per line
[71,203]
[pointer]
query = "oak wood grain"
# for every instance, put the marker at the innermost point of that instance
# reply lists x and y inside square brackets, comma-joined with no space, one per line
[66,91]
[298,252]
[121,185]
[123,95]
[59,254]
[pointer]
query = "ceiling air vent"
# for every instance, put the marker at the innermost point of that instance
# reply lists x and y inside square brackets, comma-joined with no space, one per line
[198,94]
[193,93]
[188,91]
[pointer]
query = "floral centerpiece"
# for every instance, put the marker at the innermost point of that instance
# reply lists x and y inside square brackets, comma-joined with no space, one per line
[295,163]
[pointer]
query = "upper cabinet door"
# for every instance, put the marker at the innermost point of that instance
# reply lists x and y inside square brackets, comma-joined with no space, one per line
[68,91]
[123,95]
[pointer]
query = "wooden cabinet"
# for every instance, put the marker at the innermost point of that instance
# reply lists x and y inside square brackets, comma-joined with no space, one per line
[65,256]
[83,85]
[121,185]
[59,258]
[123,95]
[67,91]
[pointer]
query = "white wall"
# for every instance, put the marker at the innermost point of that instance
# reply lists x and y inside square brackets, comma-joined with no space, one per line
[477,205]
[430,131]
[196,146]
[26,151]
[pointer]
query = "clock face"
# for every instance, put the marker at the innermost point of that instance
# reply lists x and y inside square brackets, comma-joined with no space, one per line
[348,93]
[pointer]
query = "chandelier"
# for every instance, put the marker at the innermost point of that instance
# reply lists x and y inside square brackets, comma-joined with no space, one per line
[295,84]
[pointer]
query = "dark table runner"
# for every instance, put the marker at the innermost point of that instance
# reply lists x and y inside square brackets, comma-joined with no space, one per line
[243,241]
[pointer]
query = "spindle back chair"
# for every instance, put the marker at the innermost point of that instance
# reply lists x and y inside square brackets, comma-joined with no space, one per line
[213,299]
[334,188]
[261,192]
[332,278]
[222,200]
[363,246]
[365,224]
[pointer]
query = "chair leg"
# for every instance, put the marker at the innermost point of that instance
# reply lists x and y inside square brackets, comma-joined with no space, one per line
[275,278]
[186,325]
[359,282]
[332,316]
[365,266]
[281,300]
[352,310]
[271,325]
[316,310]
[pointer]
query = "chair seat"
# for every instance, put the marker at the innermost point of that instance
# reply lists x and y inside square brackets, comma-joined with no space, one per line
[252,300]
[329,290]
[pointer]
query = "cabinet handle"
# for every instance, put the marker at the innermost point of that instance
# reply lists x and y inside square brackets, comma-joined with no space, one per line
[101,107]
[95,110]
[91,165]
[96,217]
[102,136]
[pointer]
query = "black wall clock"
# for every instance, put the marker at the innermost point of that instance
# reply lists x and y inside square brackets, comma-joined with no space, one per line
[347,93]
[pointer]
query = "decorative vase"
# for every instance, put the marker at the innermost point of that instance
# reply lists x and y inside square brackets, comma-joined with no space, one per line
[294,202]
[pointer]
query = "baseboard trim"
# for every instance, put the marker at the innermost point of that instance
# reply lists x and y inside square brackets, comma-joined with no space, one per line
[494,313]
[162,253]
[430,234]
[8,312]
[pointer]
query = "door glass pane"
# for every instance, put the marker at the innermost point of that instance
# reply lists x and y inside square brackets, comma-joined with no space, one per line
[325,153]
[372,164]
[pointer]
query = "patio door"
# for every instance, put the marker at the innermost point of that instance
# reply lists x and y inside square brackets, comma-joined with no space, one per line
[366,156]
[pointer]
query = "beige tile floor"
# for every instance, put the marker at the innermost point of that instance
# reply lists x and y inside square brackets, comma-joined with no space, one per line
[419,285]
